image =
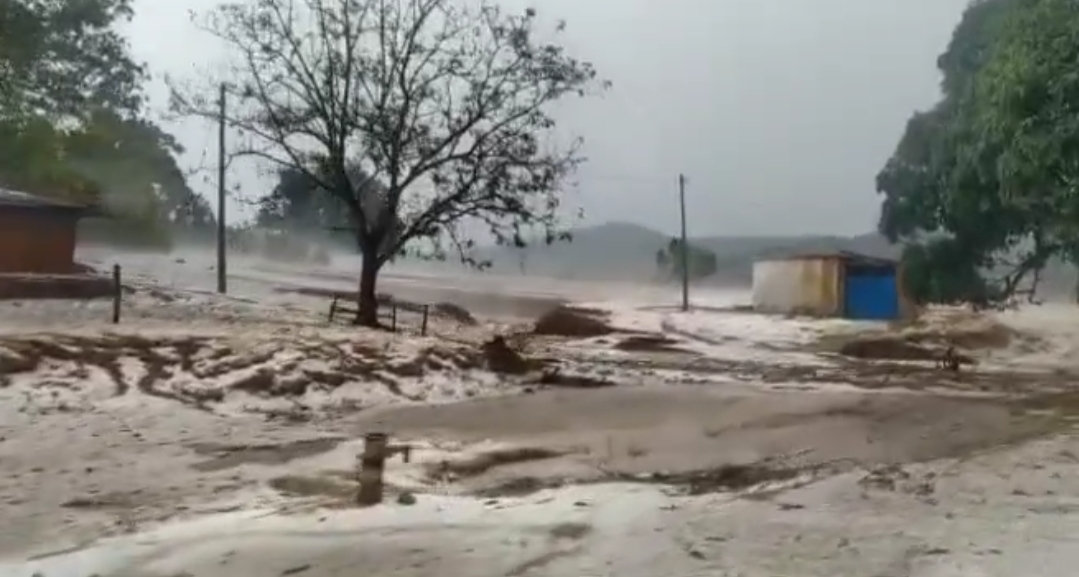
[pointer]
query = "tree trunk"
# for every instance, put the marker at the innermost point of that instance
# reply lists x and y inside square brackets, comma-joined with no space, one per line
[367,299]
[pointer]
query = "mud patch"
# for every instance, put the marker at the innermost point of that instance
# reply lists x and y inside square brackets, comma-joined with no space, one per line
[479,464]
[571,531]
[455,312]
[889,348]
[115,500]
[962,329]
[573,322]
[520,487]
[314,486]
[1057,410]
[540,562]
[503,359]
[722,479]
[725,478]
[555,378]
[230,456]
[929,337]
[650,344]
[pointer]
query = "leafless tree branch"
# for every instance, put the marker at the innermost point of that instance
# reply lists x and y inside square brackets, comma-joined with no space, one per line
[448,106]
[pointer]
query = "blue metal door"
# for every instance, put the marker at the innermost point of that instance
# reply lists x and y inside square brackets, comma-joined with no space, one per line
[871,297]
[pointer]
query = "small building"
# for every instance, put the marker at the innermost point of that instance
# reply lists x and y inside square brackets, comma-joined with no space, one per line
[37,234]
[836,284]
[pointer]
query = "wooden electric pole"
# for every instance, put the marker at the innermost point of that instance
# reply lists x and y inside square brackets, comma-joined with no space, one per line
[222,273]
[685,243]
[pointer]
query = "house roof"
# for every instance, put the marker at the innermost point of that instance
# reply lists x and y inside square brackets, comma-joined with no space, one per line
[844,255]
[17,199]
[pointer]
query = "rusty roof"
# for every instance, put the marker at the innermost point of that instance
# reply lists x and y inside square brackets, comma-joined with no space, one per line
[18,199]
[844,255]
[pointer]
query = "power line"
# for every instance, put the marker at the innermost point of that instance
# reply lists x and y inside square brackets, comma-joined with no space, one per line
[659,180]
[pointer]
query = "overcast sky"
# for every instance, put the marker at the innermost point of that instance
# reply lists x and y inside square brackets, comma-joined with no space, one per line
[779,112]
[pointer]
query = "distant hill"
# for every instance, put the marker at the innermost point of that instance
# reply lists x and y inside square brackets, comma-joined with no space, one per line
[624,251]
[627,252]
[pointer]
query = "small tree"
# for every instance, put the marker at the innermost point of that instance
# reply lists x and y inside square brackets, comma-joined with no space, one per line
[446,106]
[701,262]
[297,204]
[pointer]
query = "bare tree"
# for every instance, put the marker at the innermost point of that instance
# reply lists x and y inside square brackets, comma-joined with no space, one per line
[448,106]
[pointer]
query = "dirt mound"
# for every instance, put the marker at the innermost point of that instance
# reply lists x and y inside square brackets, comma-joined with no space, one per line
[649,344]
[455,312]
[723,478]
[483,462]
[896,348]
[929,337]
[961,329]
[555,378]
[573,322]
[887,347]
[502,359]
[983,335]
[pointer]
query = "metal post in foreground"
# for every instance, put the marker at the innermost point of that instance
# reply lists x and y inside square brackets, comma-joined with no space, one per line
[685,243]
[117,293]
[423,325]
[376,450]
[222,229]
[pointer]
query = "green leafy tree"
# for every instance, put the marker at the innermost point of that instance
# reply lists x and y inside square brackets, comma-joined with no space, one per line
[32,159]
[132,161]
[294,203]
[448,106]
[70,97]
[298,204]
[993,165]
[964,281]
[62,59]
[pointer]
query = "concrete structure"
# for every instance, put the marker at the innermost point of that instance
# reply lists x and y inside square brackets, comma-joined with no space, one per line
[839,284]
[37,235]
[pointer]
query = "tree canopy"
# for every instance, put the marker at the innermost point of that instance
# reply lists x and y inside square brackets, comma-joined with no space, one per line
[71,122]
[447,105]
[992,169]
[298,204]
[63,59]
[133,159]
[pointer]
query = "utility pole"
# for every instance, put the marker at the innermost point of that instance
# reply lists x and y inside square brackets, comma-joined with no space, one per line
[685,243]
[222,273]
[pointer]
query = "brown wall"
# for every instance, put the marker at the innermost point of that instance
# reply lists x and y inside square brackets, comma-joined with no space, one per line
[37,241]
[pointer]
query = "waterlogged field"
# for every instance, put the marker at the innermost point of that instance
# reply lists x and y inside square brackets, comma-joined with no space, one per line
[605,433]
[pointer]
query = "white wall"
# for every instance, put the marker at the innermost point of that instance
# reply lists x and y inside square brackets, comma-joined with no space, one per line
[777,286]
[804,286]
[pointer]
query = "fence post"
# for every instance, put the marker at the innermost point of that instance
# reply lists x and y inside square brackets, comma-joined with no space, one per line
[423,325]
[333,307]
[117,293]
[393,318]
